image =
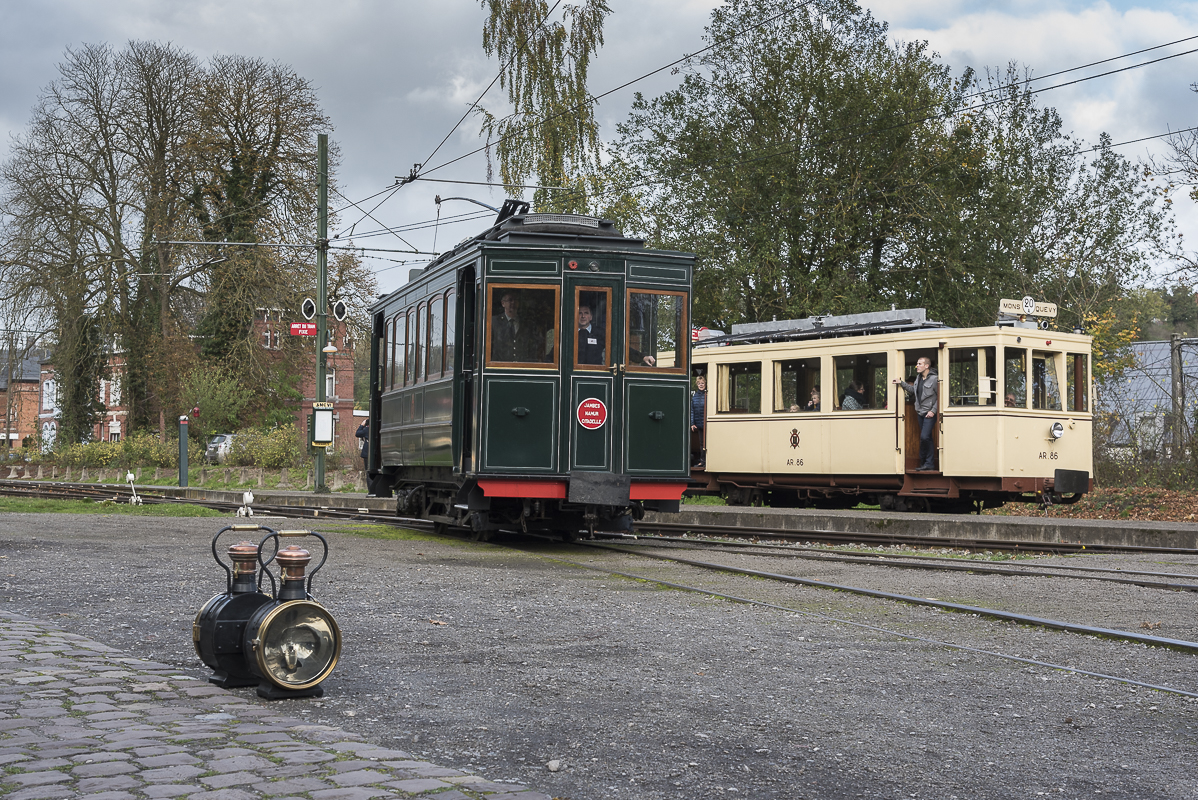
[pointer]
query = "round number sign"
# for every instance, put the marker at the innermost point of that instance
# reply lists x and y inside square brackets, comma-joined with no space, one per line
[592,414]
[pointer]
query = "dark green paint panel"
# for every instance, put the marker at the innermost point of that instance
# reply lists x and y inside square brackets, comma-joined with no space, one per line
[591,449]
[658,272]
[521,424]
[504,266]
[656,429]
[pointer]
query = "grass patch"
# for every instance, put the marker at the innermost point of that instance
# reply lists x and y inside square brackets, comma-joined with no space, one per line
[383,532]
[704,500]
[40,506]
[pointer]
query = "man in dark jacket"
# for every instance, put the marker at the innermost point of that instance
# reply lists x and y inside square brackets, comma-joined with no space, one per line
[590,339]
[926,393]
[364,434]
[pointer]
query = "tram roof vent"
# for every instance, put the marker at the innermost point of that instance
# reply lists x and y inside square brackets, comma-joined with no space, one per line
[903,319]
[914,316]
[562,219]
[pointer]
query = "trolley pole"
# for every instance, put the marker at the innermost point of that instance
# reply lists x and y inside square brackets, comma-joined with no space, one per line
[322,301]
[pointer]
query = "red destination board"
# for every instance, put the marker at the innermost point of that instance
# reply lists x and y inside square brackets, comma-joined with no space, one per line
[303,329]
[592,414]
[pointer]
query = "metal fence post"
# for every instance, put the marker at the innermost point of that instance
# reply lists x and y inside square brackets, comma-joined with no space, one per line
[183,451]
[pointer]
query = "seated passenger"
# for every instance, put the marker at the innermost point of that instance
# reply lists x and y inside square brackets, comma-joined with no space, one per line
[512,339]
[854,397]
[636,357]
[1010,401]
[813,403]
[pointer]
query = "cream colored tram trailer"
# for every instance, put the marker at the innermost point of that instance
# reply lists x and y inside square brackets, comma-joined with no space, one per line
[1014,424]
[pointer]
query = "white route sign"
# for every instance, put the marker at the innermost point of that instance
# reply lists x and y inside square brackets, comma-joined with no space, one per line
[1028,306]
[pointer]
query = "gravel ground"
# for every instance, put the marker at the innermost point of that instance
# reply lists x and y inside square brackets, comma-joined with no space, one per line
[501,662]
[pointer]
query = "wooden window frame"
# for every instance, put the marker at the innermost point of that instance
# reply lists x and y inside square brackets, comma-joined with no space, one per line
[681,355]
[490,314]
[450,324]
[578,290]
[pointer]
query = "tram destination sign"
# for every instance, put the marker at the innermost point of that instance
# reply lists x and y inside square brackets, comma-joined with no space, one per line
[592,413]
[303,329]
[1028,306]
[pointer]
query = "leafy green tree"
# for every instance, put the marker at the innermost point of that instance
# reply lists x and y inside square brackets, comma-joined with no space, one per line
[816,167]
[220,396]
[550,133]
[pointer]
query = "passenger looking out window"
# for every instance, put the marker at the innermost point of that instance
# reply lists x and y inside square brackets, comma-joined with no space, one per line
[795,383]
[591,327]
[860,381]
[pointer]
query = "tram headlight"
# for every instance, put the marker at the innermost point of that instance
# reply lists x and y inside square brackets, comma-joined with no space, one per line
[1057,430]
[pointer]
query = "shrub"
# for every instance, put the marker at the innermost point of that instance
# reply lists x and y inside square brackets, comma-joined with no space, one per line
[271,449]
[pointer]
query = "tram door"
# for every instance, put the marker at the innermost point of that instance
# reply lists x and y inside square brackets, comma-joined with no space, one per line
[592,371]
[911,422]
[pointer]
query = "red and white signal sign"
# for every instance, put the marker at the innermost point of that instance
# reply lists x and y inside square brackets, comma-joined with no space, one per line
[592,413]
[303,329]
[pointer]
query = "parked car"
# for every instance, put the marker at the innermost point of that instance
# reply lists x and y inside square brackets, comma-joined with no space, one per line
[220,447]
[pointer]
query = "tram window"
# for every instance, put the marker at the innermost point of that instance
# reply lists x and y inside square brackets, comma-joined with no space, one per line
[399,351]
[656,322]
[418,343]
[409,343]
[436,337]
[1046,389]
[386,344]
[860,381]
[523,324]
[592,328]
[796,385]
[971,379]
[451,311]
[1077,382]
[1014,377]
[739,389]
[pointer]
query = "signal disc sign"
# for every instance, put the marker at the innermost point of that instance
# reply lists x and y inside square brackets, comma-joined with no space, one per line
[592,413]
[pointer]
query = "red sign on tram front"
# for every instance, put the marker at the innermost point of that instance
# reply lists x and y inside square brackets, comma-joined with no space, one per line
[592,413]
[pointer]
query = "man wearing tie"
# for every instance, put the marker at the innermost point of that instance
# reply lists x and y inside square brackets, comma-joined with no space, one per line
[590,339]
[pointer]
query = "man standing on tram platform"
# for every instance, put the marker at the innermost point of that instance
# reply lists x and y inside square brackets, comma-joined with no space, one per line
[926,393]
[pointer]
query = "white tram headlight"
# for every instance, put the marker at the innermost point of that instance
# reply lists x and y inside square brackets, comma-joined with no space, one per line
[1057,430]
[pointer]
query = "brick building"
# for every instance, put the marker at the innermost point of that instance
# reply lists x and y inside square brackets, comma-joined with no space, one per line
[269,329]
[18,398]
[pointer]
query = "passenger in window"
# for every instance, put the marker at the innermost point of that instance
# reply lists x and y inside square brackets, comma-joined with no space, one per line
[590,339]
[1011,402]
[511,338]
[635,356]
[813,403]
[854,397]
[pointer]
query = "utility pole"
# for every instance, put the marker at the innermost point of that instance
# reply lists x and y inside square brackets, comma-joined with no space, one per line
[322,311]
[1175,394]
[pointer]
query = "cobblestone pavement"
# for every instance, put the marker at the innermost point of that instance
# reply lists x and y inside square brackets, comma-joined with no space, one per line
[81,719]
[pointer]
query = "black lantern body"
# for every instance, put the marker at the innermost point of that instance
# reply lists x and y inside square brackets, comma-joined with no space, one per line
[284,642]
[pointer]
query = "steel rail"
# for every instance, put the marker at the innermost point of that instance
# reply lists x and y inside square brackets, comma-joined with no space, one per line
[866,626]
[1006,616]
[952,565]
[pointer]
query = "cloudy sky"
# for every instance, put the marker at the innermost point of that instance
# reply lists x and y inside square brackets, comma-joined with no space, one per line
[395,76]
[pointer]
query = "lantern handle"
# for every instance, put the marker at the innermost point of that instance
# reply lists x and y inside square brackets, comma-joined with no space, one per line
[216,555]
[276,535]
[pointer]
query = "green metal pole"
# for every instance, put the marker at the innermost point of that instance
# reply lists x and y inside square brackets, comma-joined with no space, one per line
[322,322]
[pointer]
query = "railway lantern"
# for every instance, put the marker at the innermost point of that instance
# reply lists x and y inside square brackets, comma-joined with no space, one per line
[284,642]
[1057,430]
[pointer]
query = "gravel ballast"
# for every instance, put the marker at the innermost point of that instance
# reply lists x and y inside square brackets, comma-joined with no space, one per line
[514,664]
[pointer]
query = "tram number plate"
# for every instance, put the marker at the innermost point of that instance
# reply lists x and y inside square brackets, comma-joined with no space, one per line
[1053,456]
[794,462]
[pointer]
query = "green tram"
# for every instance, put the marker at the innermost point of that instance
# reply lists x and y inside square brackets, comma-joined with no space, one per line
[535,378]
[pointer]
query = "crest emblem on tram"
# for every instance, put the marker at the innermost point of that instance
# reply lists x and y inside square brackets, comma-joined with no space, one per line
[794,438]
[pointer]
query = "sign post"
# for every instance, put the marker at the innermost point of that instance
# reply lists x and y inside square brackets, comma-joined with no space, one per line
[183,451]
[322,321]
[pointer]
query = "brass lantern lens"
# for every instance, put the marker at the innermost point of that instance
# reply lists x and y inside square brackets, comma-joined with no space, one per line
[297,645]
